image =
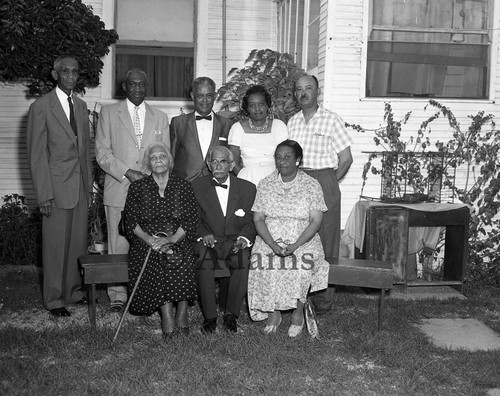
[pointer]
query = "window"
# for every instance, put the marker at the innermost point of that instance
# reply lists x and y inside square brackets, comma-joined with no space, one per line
[422,48]
[296,37]
[158,37]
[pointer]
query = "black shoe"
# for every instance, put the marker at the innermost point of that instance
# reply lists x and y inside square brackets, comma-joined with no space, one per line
[83,301]
[60,312]
[231,323]
[209,325]
[184,331]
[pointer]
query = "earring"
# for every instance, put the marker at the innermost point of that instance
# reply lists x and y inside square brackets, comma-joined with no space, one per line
[297,163]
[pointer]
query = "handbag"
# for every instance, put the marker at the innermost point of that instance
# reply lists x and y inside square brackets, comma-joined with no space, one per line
[173,258]
[310,319]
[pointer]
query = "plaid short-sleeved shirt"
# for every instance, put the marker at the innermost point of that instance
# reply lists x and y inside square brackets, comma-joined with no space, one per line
[321,138]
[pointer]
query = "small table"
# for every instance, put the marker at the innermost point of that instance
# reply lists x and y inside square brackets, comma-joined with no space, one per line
[415,230]
[102,268]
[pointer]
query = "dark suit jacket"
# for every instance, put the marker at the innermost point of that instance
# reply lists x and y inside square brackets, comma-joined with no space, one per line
[226,229]
[57,158]
[189,163]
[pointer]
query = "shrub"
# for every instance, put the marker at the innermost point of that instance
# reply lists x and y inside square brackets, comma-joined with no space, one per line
[35,33]
[474,150]
[20,232]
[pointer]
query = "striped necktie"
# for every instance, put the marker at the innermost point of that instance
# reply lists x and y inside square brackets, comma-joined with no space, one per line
[137,126]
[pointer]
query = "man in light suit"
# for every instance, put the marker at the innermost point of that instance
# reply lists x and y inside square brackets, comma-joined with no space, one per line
[60,166]
[124,131]
[193,135]
[226,232]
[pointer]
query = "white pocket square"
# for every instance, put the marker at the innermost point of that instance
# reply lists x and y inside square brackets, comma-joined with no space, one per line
[222,138]
[240,213]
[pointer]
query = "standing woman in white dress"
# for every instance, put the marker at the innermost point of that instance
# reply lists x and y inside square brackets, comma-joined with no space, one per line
[254,139]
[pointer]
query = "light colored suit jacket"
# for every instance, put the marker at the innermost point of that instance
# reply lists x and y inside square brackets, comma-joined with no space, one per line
[117,149]
[57,158]
[189,162]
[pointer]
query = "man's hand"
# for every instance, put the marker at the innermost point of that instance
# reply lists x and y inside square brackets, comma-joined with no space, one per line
[209,240]
[239,244]
[134,175]
[46,207]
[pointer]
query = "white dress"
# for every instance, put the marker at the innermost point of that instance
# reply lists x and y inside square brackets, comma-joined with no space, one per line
[257,149]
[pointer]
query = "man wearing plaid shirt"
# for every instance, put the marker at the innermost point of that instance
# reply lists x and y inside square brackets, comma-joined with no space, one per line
[327,158]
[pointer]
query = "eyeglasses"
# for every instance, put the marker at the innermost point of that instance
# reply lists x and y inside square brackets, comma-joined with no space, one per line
[219,162]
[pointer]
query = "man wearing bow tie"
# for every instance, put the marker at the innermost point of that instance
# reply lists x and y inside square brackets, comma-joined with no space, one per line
[226,233]
[193,135]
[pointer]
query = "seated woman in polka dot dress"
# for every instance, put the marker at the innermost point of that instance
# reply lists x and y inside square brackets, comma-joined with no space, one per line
[161,213]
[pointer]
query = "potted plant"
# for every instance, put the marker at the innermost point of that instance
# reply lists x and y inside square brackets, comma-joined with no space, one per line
[97,233]
[274,70]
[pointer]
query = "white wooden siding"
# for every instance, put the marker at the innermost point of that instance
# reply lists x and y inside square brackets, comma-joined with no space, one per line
[343,71]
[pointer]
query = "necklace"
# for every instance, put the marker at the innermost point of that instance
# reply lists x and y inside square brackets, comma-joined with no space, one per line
[257,128]
[287,185]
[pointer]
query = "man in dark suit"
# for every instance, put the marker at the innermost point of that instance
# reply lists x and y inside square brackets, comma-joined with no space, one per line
[124,132]
[59,160]
[226,232]
[193,135]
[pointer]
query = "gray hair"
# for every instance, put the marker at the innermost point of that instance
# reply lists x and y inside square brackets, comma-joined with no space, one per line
[202,80]
[220,149]
[136,70]
[151,148]
[59,59]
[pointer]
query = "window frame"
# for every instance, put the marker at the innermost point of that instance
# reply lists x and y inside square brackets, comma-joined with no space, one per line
[296,41]
[490,33]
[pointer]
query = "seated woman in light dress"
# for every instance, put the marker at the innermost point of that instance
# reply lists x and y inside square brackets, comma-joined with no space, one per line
[287,258]
[252,140]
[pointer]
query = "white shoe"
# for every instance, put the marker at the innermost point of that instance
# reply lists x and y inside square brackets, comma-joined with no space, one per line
[295,330]
[271,329]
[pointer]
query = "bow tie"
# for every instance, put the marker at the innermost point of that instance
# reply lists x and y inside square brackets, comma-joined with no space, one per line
[215,183]
[208,117]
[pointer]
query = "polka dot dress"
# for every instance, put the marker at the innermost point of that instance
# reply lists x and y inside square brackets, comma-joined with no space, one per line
[145,206]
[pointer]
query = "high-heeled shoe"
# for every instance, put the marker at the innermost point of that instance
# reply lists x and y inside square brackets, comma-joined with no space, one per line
[295,330]
[271,329]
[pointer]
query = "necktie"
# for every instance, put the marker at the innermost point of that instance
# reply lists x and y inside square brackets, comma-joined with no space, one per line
[215,183]
[72,120]
[208,117]
[137,126]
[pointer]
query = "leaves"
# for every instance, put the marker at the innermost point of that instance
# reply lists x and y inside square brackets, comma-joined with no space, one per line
[35,33]
[474,149]
[274,70]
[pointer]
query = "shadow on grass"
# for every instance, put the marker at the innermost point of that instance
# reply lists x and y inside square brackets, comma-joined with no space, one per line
[45,355]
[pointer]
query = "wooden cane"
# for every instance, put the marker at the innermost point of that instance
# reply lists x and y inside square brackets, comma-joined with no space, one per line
[132,295]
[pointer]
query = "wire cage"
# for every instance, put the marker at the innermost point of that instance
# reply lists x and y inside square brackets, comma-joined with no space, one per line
[412,177]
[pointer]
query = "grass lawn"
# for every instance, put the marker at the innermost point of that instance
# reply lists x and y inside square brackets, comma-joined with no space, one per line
[42,355]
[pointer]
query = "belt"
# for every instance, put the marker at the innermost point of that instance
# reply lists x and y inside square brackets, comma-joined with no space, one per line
[316,170]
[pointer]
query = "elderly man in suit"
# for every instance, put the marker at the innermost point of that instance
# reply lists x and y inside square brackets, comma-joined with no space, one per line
[124,131]
[60,166]
[193,135]
[226,232]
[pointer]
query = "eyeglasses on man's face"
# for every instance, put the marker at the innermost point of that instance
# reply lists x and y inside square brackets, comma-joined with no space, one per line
[222,162]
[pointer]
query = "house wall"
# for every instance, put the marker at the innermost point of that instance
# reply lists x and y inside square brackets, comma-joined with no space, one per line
[344,32]
[250,25]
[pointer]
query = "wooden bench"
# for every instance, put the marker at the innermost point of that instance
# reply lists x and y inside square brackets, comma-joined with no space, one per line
[363,273]
[102,268]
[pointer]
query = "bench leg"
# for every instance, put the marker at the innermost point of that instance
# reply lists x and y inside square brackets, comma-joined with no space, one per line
[92,314]
[381,309]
